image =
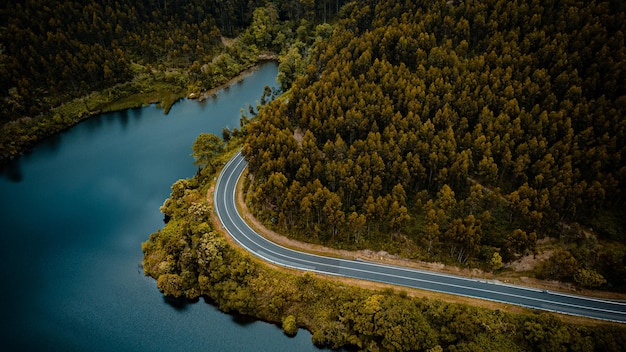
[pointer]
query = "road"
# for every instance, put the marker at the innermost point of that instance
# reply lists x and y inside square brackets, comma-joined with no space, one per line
[226,209]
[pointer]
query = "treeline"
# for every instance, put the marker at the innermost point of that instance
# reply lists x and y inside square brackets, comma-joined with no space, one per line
[190,259]
[54,52]
[456,131]
[65,49]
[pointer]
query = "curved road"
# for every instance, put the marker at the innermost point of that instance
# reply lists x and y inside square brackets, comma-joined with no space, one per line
[225,206]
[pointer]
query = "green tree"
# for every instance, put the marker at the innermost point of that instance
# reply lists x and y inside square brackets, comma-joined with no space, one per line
[205,148]
[356,222]
[264,27]
[560,266]
[463,238]
[432,231]
[588,278]
[496,261]
[289,325]
[398,216]
[226,134]
[170,285]
[292,65]
[517,243]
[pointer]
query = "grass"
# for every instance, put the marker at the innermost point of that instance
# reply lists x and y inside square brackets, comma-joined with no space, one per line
[144,89]
[164,98]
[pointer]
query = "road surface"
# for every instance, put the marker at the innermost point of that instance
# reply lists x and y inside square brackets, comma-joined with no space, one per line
[226,209]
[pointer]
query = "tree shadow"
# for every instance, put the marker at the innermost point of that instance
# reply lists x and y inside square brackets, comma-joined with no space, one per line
[243,320]
[12,171]
[239,319]
[180,304]
[124,118]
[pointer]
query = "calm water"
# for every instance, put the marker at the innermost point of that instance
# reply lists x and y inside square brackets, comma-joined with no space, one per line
[73,214]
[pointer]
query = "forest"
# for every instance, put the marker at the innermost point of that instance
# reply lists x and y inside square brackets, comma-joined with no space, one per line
[454,131]
[459,132]
[191,260]
[63,61]
[425,131]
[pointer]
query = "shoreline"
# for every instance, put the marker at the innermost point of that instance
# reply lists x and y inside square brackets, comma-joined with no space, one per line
[20,136]
[384,259]
[212,92]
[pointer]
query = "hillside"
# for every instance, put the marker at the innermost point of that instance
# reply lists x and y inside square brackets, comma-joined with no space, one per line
[459,132]
[63,61]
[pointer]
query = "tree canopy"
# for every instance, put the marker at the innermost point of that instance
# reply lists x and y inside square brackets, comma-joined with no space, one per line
[55,54]
[189,259]
[205,148]
[451,130]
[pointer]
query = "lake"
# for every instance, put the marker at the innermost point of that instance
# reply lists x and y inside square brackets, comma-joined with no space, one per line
[73,215]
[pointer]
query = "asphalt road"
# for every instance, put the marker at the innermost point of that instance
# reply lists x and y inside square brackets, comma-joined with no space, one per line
[225,206]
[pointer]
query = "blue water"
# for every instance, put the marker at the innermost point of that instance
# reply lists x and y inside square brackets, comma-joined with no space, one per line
[73,215]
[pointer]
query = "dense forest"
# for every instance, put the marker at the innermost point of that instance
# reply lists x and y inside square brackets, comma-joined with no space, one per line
[457,131]
[55,53]
[190,259]
[432,130]
[446,130]
[73,47]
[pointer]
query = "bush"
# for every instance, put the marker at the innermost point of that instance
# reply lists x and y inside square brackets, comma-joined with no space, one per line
[170,285]
[589,278]
[289,325]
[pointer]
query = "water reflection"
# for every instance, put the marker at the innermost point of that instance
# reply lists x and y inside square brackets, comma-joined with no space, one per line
[124,118]
[243,320]
[12,170]
[136,112]
[73,227]
[52,144]
[93,123]
[179,304]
